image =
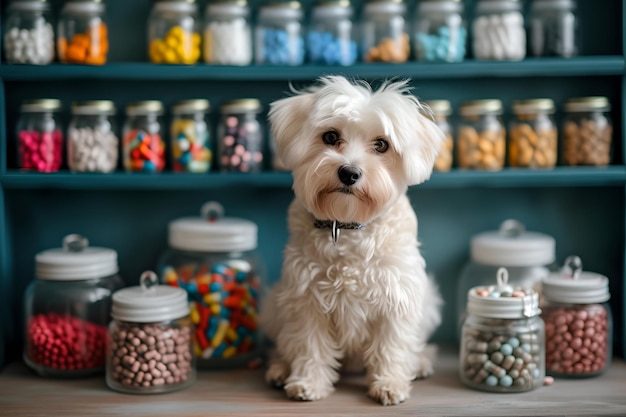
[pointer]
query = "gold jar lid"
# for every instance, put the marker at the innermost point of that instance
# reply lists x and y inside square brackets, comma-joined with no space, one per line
[284,4]
[333,3]
[93,107]
[596,103]
[440,107]
[241,105]
[144,107]
[191,106]
[535,105]
[480,107]
[41,105]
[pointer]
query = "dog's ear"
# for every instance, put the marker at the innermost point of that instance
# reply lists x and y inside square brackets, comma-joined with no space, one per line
[421,146]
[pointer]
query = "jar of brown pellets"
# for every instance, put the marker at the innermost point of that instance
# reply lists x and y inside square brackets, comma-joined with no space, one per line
[385,37]
[587,132]
[441,110]
[533,137]
[481,135]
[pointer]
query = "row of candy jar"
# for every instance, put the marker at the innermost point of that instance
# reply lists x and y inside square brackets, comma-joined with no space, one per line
[29,33]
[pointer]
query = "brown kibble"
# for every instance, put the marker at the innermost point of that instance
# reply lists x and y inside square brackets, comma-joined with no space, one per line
[587,142]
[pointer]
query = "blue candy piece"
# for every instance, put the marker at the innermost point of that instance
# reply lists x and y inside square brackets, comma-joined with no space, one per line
[219,351]
[218,269]
[225,313]
[514,342]
[506,381]
[491,380]
[506,349]
[149,166]
[192,288]
[526,347]
[215,287]
[211,328]
[241,276]
[494,294]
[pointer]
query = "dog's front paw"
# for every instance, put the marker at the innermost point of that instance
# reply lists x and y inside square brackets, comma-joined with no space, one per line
[307,390]
[389,392]
[424,368]
[276,374]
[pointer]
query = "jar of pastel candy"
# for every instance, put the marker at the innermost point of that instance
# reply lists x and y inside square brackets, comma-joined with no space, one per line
[553,28]
[67,308]
[143,145]
[279,37]
[190,136]
[214,258]
[173,32]
[149,339]
[441,109]
[533,136]
[502,343]
[39,136]
[28,33]
[498,31]
[384,35]
[331,35]
[579,326]
[481,137]
[82,34]
[587,131]
[439,33]
[240,138]
[227,33]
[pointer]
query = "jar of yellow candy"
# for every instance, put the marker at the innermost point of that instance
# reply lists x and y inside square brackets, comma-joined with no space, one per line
[173,32]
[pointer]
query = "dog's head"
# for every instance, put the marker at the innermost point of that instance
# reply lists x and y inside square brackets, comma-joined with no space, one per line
[353,151]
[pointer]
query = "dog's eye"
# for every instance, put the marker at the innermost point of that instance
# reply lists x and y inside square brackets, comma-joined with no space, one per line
[330,138]
[381,145]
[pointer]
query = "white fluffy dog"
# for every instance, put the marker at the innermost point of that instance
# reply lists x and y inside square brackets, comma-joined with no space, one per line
[353,286]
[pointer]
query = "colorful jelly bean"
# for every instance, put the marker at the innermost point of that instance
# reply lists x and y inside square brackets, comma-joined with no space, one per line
[191,150]
[40,151]
[324,48]
[85,48]
[143,151]
[178,46]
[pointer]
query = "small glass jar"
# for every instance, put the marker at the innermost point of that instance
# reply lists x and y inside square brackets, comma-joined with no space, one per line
[149,339]
[67,309]
[214,258]
[385,37]
[441,110]
[502,346]
[143,144]
[330,39]
[587,131]
[28,33]
[533,136]
[439,33]
[498,31]
[481,140]
[190,136]
[227,33]
[173,32]
[240,136]
[39,136]
[553,28]
[82,33]
[92,144]
[579,326]
[279,34]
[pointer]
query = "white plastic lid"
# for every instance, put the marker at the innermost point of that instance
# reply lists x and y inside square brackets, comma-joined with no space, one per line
[75,261]
[512,245]
[149,302]
[573,285]
[212,232]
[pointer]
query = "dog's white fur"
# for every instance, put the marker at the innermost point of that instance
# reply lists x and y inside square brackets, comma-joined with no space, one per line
[367,297]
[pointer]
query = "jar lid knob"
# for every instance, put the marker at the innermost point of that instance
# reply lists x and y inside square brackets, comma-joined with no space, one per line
[502,277]
[75,243]
[512,228]
[148,280]
[212,211]
[572,267]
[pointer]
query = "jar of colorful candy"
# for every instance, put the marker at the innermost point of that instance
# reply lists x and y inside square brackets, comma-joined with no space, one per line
[39,136]
[385,37]
[553,28]
[279,34]
[173,32]
[28,33]
[190,136]
[227,33]
[441,110]
[587,131]
[143,145]
[67,308]
[533,136]
[214,259]
[498,31]
[481,139]
[331,36]
[240,136]
[439,33]
[82,35]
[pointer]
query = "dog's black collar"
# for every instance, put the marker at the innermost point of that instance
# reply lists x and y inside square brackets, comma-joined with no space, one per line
[335,226]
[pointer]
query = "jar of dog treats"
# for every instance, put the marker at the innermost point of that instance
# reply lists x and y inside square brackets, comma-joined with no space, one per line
[173,32]
[28,33]
[227,33]
[498,30]
[587,131]
[190,136]
[579,326]
[279,34]
[533,137]
[82,33]
[240,139]
[385,35]
[331,35]
[215,260]
[481,136]
[441,110]
[553,28]
[439,32]
[39,136]
[143,146]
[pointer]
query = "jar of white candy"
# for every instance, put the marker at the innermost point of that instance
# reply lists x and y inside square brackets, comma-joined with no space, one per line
[240,139]
[481,140]
[553,28]
[439,33]
[227,33]
[502,344]
[190,136]
[385,37]
[279,37]
[441,110]
[28,33]
[498,31]
[330,39]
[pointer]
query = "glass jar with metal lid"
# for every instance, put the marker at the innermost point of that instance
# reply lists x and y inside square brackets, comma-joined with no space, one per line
[39,136]
[227,33]
[143,145]
[331,35]
[439,32]
[190,136]
[173,32]
[481,137]
[279,37]
[553,28]
[82,33]
[441,110]
[533,135]
[240,136]
[384,35]
[587,131]
[498,30]
[28,33]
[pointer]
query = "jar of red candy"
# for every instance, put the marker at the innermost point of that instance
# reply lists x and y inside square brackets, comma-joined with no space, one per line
[579,329]
[143,144]
[240,136]
[214,259]
[67,308]
[39,136]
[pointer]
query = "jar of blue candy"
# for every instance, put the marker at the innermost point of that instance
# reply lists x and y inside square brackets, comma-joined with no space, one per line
[279,37]
[439,33]
[240,139]
[385,37]
[330,39]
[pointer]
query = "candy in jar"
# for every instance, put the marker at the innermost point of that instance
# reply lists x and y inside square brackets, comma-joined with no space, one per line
[330,39]
[83,33]
[190,136]
[533,134]
[143,145]
[553,28]
[240,137]
[439,31]
[173,35]
[227,33]
[39,136]
[481,137]
[498,31]
[441,110]
[29,35]
[384,34]
[279,34]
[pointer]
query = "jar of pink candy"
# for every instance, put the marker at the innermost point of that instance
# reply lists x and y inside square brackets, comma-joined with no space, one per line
[39,136]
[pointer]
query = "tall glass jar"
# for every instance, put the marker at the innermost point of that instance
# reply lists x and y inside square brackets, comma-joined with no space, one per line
[190,136]
[227,33]
[214,258]
[330,39]
[481,137]
[533,136]
[67,308]
[28,33]
[554,28]
[498,31]
[439,32]
[441,110]
[385,37]
[279,37]
[39,136]
[143,145]
[240,136]
[587,131]
[173,32]
[82,33]
[149,349]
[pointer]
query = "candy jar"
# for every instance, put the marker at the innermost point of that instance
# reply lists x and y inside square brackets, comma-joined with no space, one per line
[279,34]
[441,110]
[330,39]
[143,145]
[587,131]
[533,137]
[385,37]
[227,33]
[190,136]
[579,327]
[39,136]
[82,35]
[214,258]
[173,32]
[28,33]
[67,308]
[240,137]
[498,31]
[553,28]
[481,136]
[439,32]
[149,349]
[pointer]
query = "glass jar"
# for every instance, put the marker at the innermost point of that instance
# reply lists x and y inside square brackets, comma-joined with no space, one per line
[143,145]
[498,31]
[28,33]
[190,136]
[553,28]
[481,137]
[439,33]
[330,39]
[279,34]
[214,258]
[227,33]
[533,137]
[173,32]
[587,131]
[149,339]
[67,308]
[39,136]
[240,137]
[579,326]
[385,37]
[502,346]
[441,110]
[92,144]
[82,33]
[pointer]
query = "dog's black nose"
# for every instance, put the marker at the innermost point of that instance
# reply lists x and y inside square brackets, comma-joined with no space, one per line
[349,174]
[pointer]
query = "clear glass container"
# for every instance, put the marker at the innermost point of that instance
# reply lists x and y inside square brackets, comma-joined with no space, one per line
[39,136]
[385,35]
[82,33]
[28,33]
[149,339]
[174,32]
[191,136]
[554,28]
[92,142]
[481,139]
[441,110]
[240,136]
[498,31]
[331,34]
[143,145]
[439,32]
[228,33]
[215,259]
[502,344]
[587,131]
[67,309]
[533,135]
[279,37]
